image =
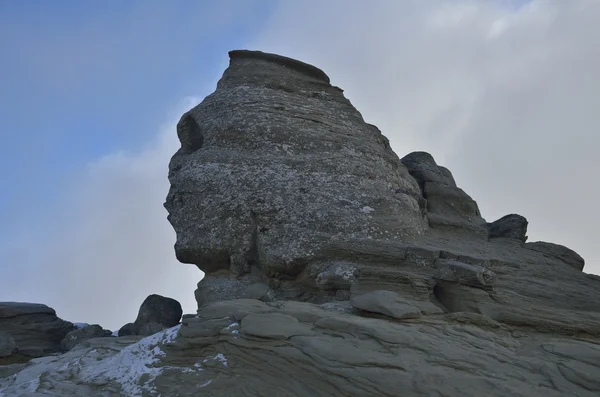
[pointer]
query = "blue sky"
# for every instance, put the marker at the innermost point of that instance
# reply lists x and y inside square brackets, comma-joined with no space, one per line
[82,79]
[503,93]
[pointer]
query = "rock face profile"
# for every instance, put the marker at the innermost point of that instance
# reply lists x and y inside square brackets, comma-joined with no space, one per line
[334,268]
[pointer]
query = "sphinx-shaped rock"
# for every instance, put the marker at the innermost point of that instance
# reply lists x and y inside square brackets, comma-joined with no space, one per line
[276,166]
[324,280]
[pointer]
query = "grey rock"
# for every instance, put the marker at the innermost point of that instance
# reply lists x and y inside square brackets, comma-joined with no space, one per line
[127,329]
[447,206]
[260,291]
[220,288]
[509,226]
[150,328]
[287,168]
[388,303]
[562,253]
[8,345]
[337,276]
[77,336]
[157,309]
[340,354]
[464,273]
[273,326]
[422,167]
[35,328]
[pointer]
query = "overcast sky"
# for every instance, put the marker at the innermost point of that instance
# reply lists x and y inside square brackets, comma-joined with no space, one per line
[503,93]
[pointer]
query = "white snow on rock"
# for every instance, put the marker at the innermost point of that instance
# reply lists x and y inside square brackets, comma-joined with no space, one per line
[125,368]
[367,209]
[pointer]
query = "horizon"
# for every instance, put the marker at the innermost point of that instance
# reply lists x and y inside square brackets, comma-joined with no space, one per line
[502,93]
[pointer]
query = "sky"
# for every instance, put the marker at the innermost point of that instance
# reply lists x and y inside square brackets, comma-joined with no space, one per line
[503,93]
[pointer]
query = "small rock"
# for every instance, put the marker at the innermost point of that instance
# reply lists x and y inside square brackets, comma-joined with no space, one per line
[509,226]
[387,303]
[127,329]
[80,334]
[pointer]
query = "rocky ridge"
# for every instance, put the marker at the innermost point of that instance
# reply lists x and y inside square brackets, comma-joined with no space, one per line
[333,267]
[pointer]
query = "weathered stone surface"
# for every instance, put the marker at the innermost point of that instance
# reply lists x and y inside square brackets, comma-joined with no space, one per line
[509,226]
[77,336]
[8,345]
[35,328]
[387,303]
[447,206]
[260,291]
[464,273]
[273,326]
[559,252]
[220,288]
[423,168]
[462,354]
[287,167]
[156,313]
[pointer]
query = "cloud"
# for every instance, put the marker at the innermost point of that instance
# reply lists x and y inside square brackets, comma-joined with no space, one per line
[108,244]
[502,93]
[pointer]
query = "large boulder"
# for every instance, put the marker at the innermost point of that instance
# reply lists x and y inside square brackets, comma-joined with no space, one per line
[35,328]
[156,313]
[276,166]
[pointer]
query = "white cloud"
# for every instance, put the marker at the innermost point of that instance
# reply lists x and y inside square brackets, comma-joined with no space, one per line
[505,94]
[109,245]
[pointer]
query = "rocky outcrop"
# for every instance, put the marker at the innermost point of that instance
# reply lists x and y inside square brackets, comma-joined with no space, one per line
[252,348]
[558,252]
[157,313]
[448,206]
[510,226]
[334,268]
[34,328]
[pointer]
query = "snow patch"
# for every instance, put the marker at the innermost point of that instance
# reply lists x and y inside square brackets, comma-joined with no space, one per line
[367,209]
[131,363]
[201,384]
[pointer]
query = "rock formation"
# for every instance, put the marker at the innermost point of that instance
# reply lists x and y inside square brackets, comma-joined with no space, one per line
[34,329]
[333,268]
